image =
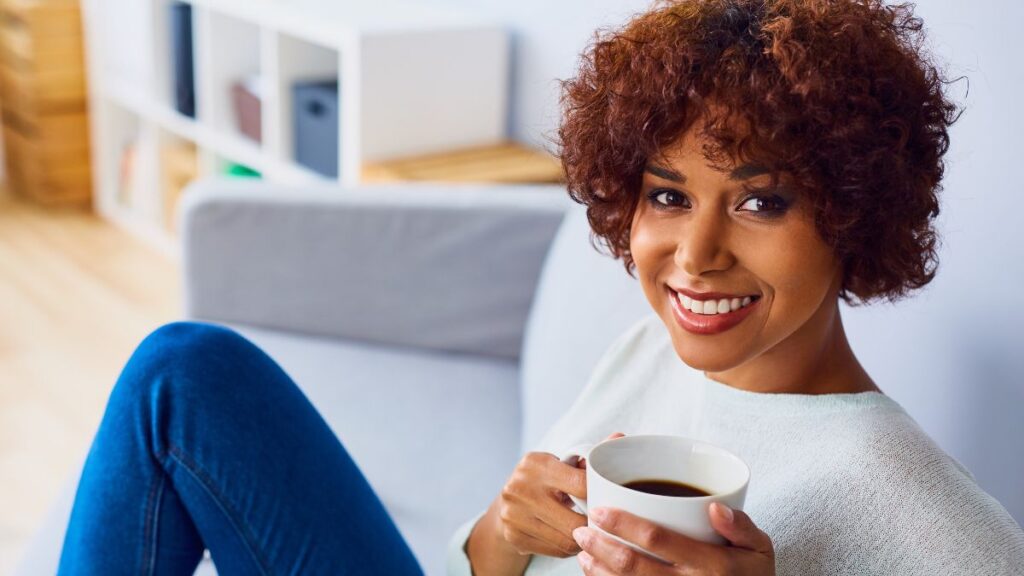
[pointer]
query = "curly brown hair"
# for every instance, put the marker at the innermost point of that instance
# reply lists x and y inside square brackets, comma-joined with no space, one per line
[839,94]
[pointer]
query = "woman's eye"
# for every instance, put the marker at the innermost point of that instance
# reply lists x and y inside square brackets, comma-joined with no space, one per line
[765,204]
[666,198]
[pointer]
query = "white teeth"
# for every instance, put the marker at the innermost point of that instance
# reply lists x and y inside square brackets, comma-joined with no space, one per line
[711,307]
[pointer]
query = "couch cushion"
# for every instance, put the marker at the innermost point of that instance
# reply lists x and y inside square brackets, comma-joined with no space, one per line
[584,300]
[435,434]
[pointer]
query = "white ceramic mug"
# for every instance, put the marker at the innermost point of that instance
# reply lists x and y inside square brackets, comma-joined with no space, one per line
[618,461]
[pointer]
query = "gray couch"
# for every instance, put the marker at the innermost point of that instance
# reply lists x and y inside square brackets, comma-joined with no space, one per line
[440,330]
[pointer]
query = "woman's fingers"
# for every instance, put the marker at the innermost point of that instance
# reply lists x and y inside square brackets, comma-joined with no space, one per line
[665,543]
[685,555]
[558,544]
[533,503]
[528,543]
[602,556]
[562,476]
[557,533]
[519,520]
[543,516]
[737,527]
[560,517]
[557,516]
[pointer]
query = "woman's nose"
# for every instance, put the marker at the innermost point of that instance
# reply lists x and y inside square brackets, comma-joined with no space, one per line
[702,245]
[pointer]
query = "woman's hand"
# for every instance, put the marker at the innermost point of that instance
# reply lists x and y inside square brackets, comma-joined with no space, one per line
[535,514]
[751,550]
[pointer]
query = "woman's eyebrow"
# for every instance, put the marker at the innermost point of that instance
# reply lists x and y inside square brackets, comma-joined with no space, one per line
[666,173]
[747,171]
[739,173]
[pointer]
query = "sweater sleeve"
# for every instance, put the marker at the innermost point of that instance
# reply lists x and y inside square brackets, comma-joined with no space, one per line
[909,508]
[458,559]
[972,535]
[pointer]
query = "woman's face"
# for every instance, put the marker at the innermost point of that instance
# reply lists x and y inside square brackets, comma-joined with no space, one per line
[698,228]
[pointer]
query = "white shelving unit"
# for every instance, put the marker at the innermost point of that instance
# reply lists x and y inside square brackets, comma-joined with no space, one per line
[411,80]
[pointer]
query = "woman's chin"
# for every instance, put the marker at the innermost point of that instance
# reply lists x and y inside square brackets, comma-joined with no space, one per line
[700,353]
[712,362]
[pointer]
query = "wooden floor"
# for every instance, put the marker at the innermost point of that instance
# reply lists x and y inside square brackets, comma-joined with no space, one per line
[76,296]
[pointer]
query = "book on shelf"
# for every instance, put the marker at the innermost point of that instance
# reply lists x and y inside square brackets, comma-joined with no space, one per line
[127,173]
[183,67]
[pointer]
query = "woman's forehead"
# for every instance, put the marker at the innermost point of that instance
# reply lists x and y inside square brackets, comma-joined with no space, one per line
[696,148]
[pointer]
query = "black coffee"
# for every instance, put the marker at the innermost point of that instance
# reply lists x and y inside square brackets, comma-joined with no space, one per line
[666,488]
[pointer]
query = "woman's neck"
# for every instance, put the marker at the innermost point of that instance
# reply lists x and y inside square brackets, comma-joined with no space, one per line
[816,359]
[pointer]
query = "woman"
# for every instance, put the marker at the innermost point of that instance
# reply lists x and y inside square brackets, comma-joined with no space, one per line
[754,162]
[765,158]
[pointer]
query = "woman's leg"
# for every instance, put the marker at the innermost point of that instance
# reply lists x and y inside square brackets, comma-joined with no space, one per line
[207,442]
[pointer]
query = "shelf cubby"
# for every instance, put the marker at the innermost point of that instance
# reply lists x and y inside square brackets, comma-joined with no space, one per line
[178,167]
[233,58]
[129,165]
[300,61]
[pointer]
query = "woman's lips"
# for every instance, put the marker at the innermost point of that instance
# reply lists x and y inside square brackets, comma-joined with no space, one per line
[707,323]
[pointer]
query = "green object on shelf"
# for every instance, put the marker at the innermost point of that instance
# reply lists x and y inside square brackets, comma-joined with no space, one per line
[240,171]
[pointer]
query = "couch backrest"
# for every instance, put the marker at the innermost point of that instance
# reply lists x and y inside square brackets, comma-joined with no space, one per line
[361,262]
[584,300]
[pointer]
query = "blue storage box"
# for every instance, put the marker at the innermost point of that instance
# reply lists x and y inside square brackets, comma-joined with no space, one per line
[316,125]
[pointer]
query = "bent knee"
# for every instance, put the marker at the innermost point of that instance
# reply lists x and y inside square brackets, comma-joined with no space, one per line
[190,339]
[182,352]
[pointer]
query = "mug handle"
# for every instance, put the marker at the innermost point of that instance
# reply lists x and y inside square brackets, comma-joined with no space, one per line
[572,457]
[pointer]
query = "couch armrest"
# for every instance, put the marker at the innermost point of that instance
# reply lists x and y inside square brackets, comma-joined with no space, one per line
[442,267]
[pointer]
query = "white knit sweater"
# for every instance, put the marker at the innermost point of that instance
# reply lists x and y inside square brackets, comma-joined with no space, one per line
[843,483]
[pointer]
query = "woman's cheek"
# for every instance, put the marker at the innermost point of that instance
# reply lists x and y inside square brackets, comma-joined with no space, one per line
[645,244]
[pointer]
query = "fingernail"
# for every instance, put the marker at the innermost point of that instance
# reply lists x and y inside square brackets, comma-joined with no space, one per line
[586,560]
[724,511]
[599,514]
[582,536]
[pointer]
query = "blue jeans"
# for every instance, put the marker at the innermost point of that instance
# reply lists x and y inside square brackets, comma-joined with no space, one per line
[207,443]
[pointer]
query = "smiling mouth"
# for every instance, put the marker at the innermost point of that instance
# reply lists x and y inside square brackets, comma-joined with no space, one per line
[713,307]
[713,316]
